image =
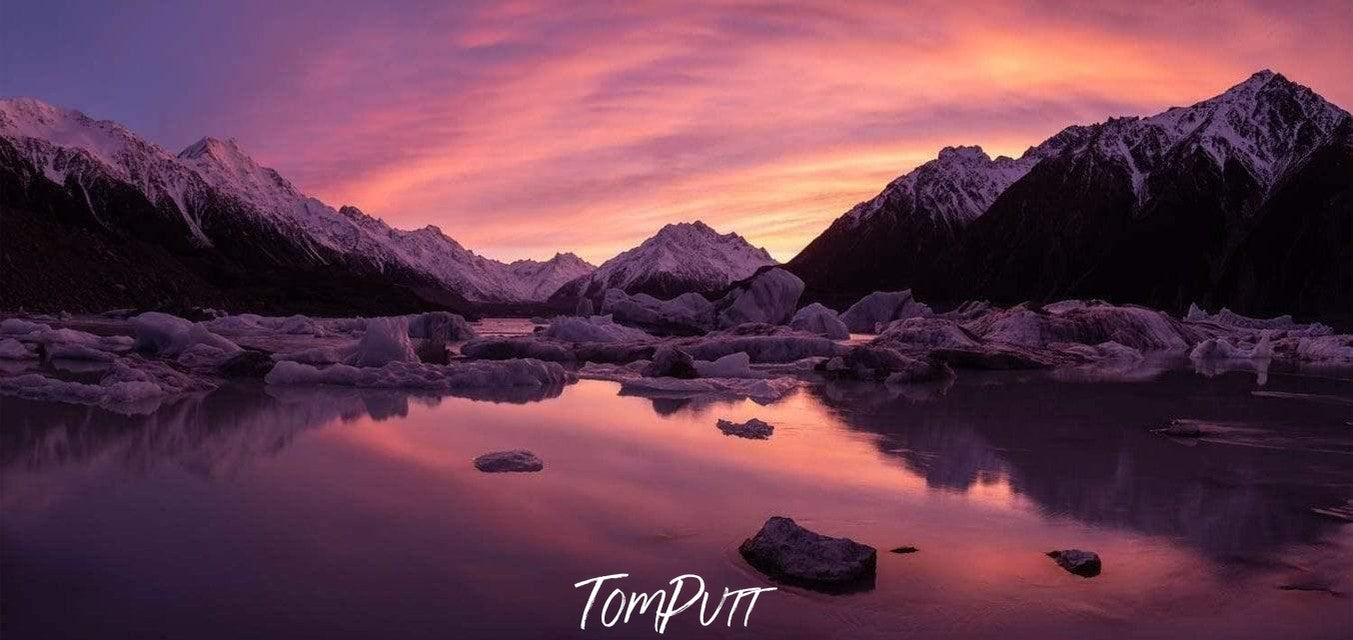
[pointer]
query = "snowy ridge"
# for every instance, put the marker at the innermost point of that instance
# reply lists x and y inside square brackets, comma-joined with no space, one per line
[1267,123]
[691,256]
[65,143]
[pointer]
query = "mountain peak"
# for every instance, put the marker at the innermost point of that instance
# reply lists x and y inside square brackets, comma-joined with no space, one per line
[221,150]
[962,153]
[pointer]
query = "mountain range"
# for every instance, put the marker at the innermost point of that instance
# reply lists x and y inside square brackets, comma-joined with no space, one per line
[1242,200]
[95,216]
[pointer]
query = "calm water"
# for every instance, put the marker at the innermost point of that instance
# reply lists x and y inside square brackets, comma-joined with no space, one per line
[259,512]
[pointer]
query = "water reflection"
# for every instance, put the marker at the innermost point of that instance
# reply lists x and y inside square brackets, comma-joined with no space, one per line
[1086,452]
[299,512]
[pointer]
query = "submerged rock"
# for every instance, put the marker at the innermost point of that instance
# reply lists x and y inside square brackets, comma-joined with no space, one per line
[518,460]
[904,550]
[752,429]
[787,552]
[1082,563]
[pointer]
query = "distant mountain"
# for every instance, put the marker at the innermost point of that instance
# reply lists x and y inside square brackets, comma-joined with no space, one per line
[211,226]
[1241,200]
[679,258]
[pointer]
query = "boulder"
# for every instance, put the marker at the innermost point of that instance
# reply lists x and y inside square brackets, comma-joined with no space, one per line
[882,307]
[249,363]
[769,296]
[818,319]
[1082,563]
[752,429]
[518,460]
[670,361]
[787,552]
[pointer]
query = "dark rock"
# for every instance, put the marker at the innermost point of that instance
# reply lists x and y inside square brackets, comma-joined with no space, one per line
[1082,563]
[752,429]
[905,550]
[508,461]
[671,362]
[249,363]
[789,553]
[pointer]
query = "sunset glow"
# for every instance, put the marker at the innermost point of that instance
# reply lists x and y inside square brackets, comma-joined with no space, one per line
[527,128]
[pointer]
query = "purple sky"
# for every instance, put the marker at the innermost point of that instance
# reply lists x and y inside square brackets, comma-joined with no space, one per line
[524,128]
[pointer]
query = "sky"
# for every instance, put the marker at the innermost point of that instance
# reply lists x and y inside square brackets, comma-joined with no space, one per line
[526,128]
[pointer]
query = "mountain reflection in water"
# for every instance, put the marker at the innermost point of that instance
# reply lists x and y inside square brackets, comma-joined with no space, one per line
[338,512]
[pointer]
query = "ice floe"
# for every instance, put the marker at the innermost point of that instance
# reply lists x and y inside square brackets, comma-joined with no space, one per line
[880,308]
[820,320]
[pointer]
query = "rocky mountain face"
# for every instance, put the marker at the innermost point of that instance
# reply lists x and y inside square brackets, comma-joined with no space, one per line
[679,258]
[1242,200]
[138,226]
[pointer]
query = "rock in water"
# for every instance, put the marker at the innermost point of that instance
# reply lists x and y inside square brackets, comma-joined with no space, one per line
[671,362]
[818,319]
[1082,563]
[789,553]
[519,460]
[752,429]
[770,296]
[905,550]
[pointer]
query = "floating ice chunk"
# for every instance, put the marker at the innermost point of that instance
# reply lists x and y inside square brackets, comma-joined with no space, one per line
[818,319]
[1093,323]
[685,314]
[765,390]
[1222,349]
[78,351]
[593,329]
[882,307]
[771,348]
[318,355]
[924,333]
[733,365]
[19,326]
[769,296]
[166,335]
[1232,320]
[440,325]
[386,340]
[129,381]
[11,349]
[1324,350]
[405,375]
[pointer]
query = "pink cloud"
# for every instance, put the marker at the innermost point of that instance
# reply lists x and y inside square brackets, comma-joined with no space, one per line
[525,128]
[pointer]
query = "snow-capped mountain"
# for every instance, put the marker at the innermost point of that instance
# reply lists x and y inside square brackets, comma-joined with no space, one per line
[689,256]
[1161,210]
[213,198]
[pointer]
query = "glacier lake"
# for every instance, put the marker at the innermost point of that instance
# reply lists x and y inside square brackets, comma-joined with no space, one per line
[254,511]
